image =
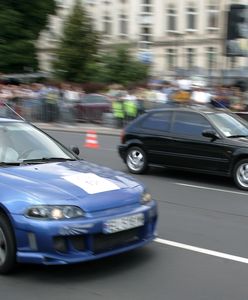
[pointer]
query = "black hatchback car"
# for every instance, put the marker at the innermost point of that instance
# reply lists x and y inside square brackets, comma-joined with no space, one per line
[196,139]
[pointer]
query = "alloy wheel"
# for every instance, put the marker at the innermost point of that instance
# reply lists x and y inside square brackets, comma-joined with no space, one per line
[242,175]
[135,160]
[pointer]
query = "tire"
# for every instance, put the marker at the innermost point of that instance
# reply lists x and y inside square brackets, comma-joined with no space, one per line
[136,160]
[7,246]
[240,174]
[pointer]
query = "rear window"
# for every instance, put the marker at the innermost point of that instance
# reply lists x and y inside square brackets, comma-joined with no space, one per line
[157,121]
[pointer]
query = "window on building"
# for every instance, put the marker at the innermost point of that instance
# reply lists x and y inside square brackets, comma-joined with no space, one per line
[213,15]
[146,29]
[190,57]
[147,2]
[233,62]
[146,6]
[107,25]
[171,18]
[123,21]
[211,56]
[191,17]
[146,9]
[146,34]
[171,59]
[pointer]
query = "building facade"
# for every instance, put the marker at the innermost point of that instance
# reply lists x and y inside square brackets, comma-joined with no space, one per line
[173,36]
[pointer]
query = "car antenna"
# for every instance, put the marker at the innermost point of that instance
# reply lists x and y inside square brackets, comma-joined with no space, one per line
[9,107]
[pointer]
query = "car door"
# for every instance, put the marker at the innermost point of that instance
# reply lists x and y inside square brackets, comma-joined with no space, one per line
[190,149]
[154,133]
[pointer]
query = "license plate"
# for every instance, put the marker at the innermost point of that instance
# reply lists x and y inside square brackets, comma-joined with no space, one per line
[123,223]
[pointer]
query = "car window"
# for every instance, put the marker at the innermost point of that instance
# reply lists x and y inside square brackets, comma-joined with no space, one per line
[158,121]
[190,124]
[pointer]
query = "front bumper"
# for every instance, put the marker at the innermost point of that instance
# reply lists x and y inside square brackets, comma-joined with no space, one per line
[72,241]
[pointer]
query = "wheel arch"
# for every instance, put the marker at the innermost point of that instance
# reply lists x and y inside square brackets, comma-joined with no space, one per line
[5,212]
[9,242]
[237,159]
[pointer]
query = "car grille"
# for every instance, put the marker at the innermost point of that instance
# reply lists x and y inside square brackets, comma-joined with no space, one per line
[99,242]
[105,242]
[78,243]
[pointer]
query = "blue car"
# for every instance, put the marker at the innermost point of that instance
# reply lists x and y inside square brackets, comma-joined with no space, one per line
[56,208]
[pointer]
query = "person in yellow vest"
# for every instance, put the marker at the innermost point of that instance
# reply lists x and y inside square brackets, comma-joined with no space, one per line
[130,108]
[118,112]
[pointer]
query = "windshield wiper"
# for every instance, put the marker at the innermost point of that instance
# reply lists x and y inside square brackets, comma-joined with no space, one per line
[8,164]
[237,135]
[43,160]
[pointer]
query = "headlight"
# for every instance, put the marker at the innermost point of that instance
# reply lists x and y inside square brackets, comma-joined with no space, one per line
[146,198]
[50,212]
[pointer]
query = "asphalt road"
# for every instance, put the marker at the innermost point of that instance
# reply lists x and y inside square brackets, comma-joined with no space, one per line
[201,251]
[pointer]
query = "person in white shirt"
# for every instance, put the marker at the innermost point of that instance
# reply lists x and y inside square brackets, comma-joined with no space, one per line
[200,96]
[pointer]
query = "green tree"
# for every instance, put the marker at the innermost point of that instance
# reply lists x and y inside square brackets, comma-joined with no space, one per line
[119,66]
[21,23]
[76,53]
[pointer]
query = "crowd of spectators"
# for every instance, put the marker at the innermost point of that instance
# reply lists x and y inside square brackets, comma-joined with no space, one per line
[50,102]
[42,102]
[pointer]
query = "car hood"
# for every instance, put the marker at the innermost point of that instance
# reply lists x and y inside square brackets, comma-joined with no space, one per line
[80,183]
[243,140]
[238,141]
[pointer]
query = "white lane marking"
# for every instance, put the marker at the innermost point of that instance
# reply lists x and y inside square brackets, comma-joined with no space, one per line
[212,189]
[202,250]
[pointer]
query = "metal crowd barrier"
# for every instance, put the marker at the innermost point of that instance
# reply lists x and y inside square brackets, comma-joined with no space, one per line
[36,110]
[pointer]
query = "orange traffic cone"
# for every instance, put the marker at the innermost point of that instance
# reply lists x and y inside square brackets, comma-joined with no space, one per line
[91,140]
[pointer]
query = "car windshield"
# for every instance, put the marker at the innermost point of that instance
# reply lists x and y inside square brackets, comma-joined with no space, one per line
[229,125]
[20,142]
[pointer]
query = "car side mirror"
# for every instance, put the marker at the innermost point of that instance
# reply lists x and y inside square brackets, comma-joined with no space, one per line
[210,134]
[75,149]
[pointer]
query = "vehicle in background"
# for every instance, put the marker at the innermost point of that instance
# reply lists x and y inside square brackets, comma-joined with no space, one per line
[92,107]
[197,139]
